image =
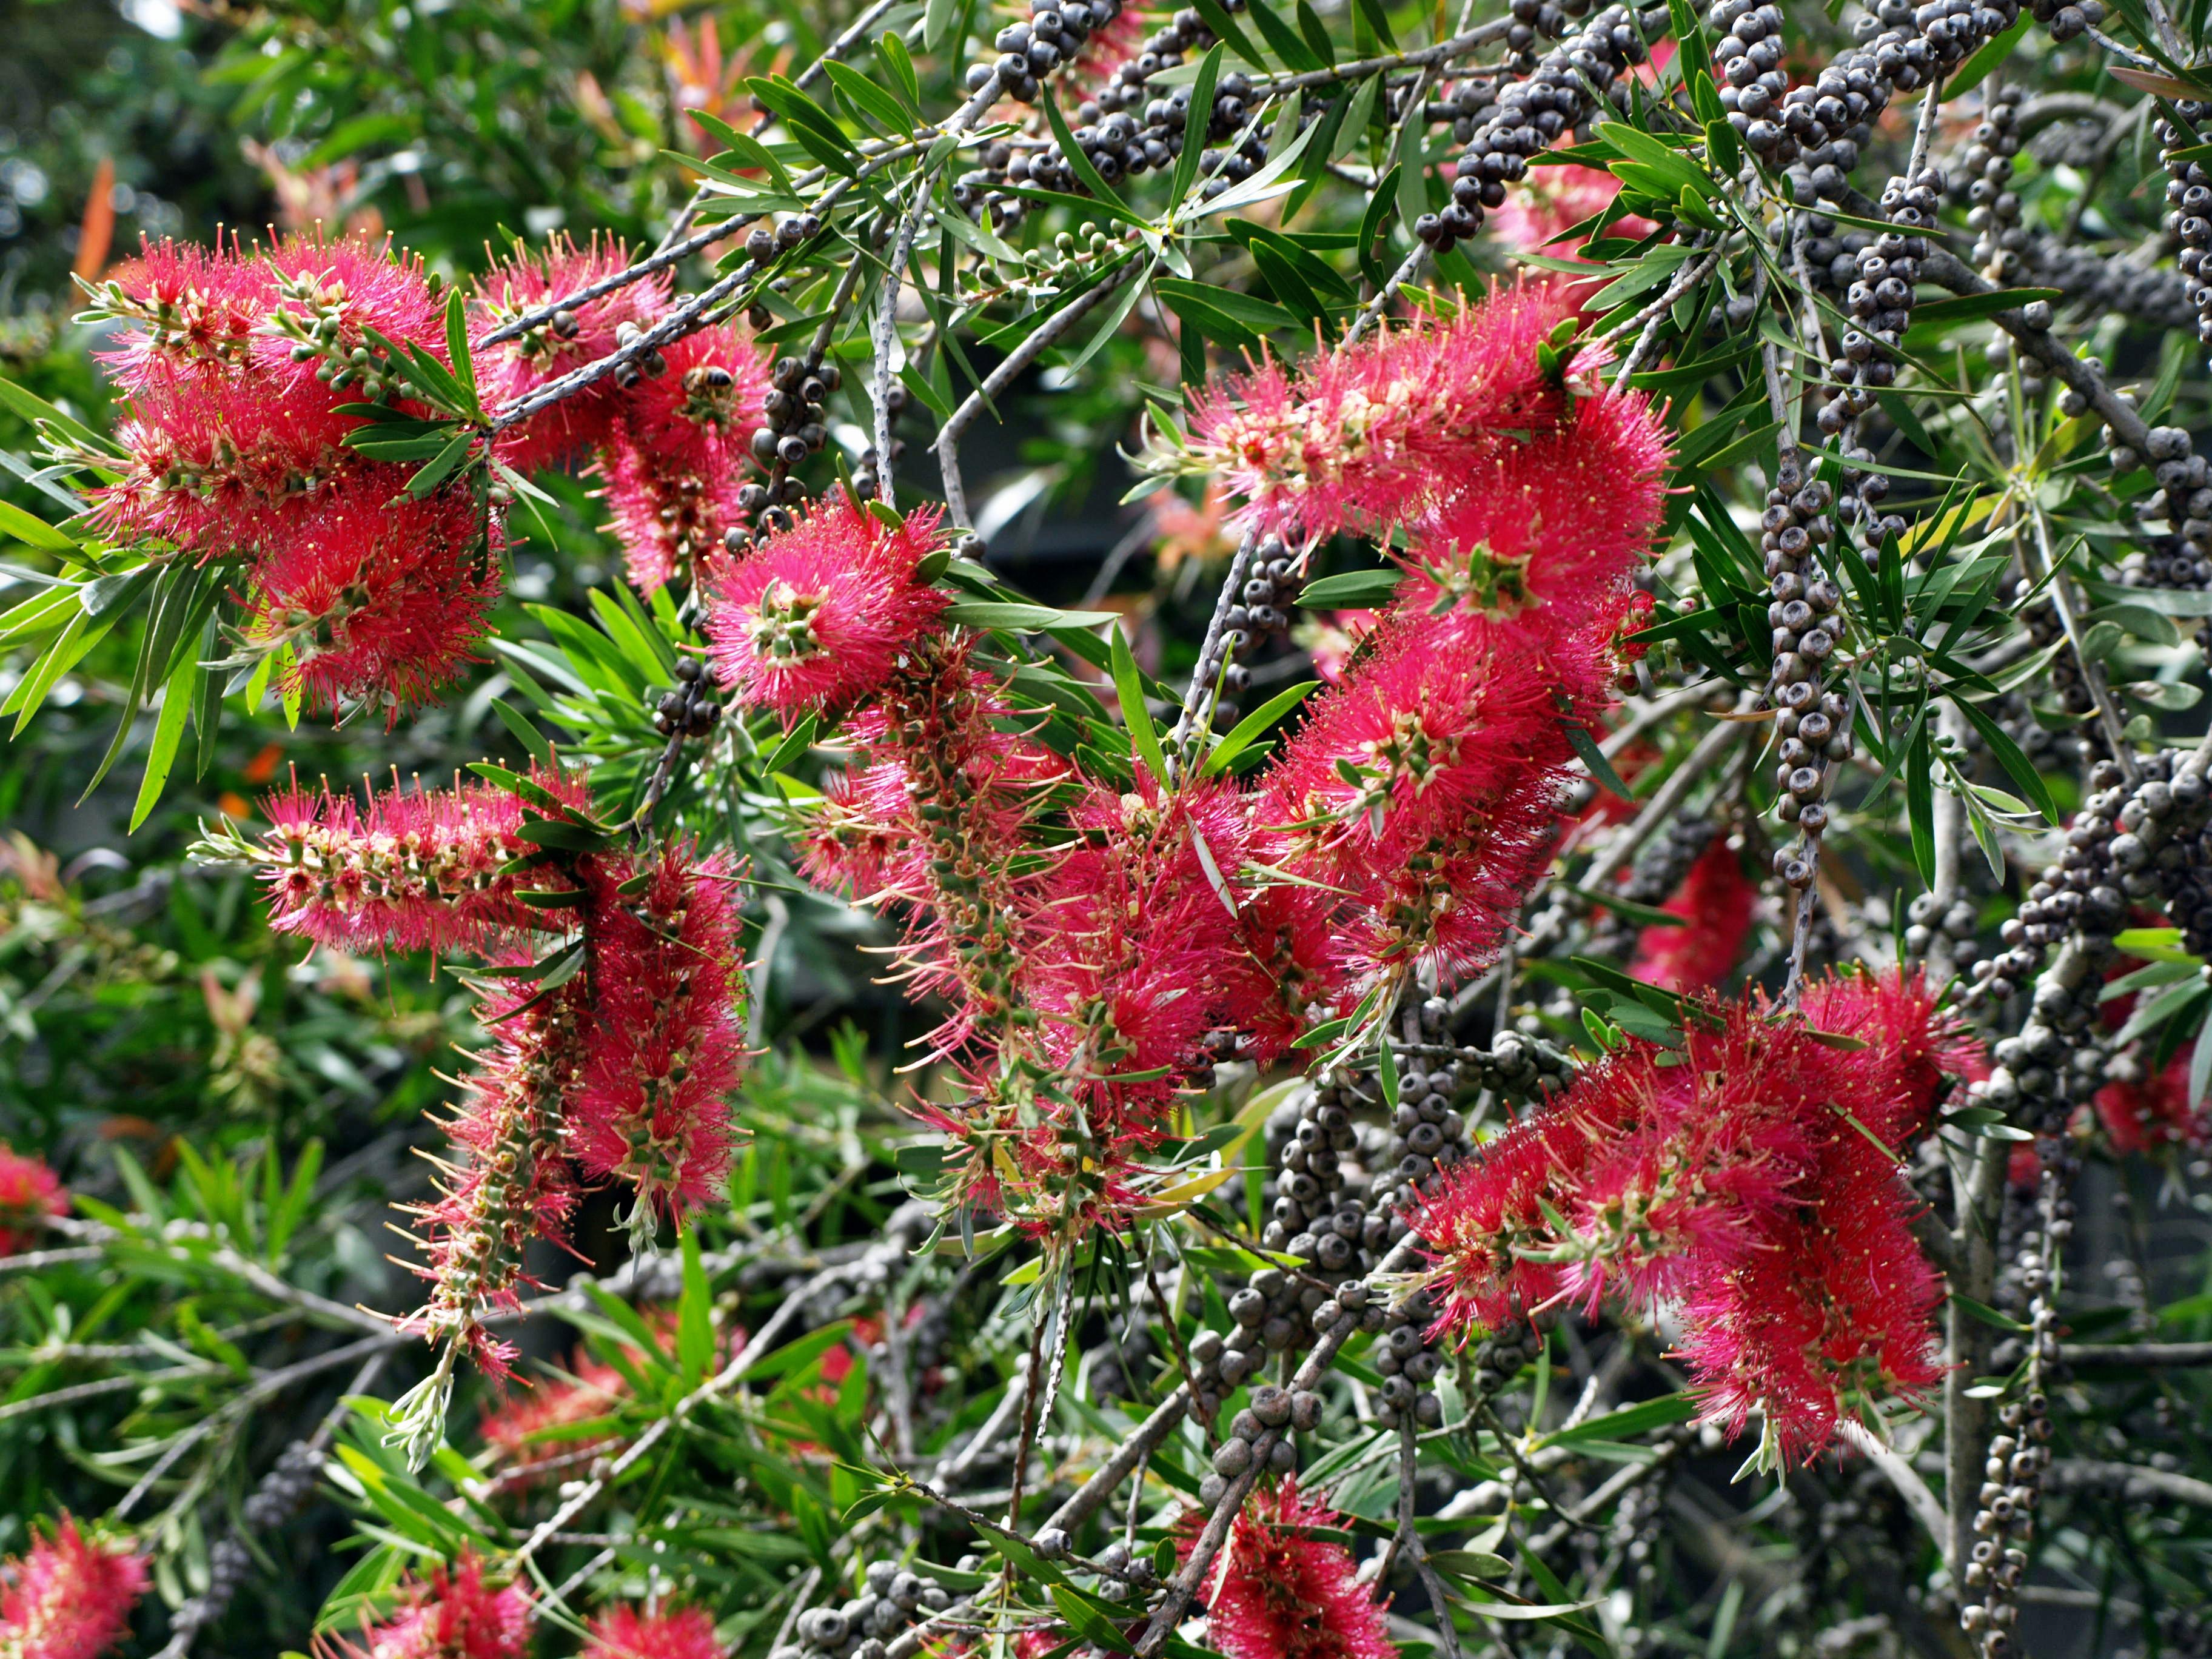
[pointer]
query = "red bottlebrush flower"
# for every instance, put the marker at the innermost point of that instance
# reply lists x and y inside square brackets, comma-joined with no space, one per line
[1898,1014]
[381,604]
[335,292]
[30,1192]
[528,281]
[984,787]
[516,1187]
[68,1597]
[1751,1179]
[416,870]
[456,1615]
[652,1107]
[817,617]
[1559,518]
[513,1426]
[226,465]
[678,1633]
[2138,1117]
[1274,1593]
[1715,903]
[1136,951]
[197,309]
[675,459]
[1370,437]
[1426,785]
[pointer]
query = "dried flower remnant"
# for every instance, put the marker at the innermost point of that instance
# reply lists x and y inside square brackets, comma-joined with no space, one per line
[819,615]
[675,460]
[529,281]
[1750,1178]
[416,869]
[30,1194]
[671,1633]
[455,1614]
[1278,1594]
[67,1596]
[652,1106]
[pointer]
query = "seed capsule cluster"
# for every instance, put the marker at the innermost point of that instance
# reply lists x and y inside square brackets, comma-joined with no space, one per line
[1030,52]
[863,1627]
[687,709]
[1563,91]
[796,427]
[1804,612]
[1984,180]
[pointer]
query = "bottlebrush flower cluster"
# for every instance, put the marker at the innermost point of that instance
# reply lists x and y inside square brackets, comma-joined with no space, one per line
[669,434]
[455,1614]
[817,617]
[1748,1179]
[622,1073]
[243,370]
[1394,433]
[1716,901]
[2138,1116]
[236,377]
[30,1192]
[671,1633]
[1099,939]
[530,280]
[1278,1594]
[68,1597]
[511,1427]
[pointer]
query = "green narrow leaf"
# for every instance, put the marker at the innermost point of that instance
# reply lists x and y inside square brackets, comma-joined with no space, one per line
[207,703]
[2017,766]
[1594,758]
[893,53]
[32,531]
[456,341]
[1920,803]
[1201,112]
[168,731]
[1375,224]
[1247,731]
[695,1324]
[1129,687]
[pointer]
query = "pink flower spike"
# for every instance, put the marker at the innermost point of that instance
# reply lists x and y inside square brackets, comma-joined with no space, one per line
[678,1633]
[652,1107]
[68,1597]
[817,617]
[528,281]
[30,1193]
[412,870]
[455,1615]
[1277,1594]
